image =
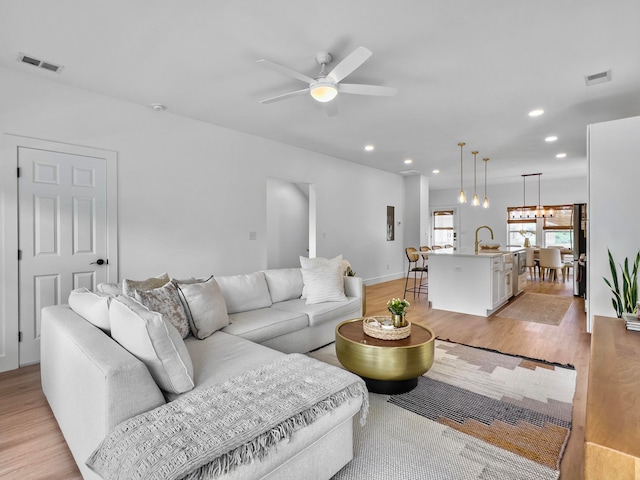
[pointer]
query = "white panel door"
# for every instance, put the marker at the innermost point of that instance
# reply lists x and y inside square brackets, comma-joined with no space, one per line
[62,234]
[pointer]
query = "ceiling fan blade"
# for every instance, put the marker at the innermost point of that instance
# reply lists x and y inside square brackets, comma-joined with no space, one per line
[331,108]
[285,96]
[367,89]
[287,71]
[349,64]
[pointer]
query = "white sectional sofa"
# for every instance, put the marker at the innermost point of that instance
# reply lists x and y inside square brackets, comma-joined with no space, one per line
[93,383]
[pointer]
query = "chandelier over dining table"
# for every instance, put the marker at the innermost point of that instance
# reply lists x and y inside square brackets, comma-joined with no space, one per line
[526,211]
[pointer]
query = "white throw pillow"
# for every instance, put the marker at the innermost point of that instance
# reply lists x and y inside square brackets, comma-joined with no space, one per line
[205,306]
[324,284]
[93,307]
[109,288]
[130,286]
[166,301]
[318,262]
[154,341]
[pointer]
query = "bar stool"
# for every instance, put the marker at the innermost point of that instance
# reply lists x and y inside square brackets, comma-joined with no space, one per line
[418,286]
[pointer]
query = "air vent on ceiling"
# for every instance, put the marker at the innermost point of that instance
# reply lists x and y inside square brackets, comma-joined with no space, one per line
[597,78]
[410,172]
[39,63]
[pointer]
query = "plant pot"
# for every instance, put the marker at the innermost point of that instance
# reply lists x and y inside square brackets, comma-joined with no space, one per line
[398,320]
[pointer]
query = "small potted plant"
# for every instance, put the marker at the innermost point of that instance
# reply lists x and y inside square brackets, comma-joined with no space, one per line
[398,307]
[526,234]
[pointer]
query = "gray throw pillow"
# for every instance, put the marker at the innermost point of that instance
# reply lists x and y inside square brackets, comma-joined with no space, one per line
[205,307]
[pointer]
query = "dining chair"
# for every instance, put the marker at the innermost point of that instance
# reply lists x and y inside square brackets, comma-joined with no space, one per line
[530,261]
[551,261]
[418,286]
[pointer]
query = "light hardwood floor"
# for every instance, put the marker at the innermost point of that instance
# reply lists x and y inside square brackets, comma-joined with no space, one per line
[32,447]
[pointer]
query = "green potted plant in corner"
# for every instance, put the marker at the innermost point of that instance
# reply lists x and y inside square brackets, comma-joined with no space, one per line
[398,308]
[625,296]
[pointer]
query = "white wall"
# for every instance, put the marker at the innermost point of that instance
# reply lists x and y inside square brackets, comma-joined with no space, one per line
[613,205]
[189,192]
[552,192]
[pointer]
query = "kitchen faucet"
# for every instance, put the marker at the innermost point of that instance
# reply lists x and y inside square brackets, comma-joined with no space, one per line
[479,228]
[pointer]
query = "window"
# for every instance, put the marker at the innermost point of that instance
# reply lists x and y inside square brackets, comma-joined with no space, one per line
[519,232]
[558,229]
[443,227]
[522,225]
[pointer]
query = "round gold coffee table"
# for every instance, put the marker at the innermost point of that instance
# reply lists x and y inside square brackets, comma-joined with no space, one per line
[387,366]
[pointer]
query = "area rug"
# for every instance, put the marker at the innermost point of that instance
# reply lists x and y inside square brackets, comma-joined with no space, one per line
[537,307]
[476,414]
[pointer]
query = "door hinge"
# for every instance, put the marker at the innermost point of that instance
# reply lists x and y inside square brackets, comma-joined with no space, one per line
[19,336]
[18,172]
[19,254]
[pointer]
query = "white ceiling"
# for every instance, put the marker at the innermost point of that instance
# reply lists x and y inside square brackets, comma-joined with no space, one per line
[466,70]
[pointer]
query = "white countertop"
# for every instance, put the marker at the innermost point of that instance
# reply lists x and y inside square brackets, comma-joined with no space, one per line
[471,253]
[465,253]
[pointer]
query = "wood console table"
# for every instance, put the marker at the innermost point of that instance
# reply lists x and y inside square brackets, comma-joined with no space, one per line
[612,429]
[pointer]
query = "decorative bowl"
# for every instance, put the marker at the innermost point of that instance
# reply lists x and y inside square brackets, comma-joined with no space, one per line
[490,246]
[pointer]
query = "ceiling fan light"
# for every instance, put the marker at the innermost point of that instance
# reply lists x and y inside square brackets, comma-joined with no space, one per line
[323,91]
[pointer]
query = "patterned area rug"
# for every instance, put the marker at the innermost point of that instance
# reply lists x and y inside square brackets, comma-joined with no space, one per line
[476,414]
[537,307]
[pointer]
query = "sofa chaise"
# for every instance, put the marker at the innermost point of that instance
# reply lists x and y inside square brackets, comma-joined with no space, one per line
[98,374]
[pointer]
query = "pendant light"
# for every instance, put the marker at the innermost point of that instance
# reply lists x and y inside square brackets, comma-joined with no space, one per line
[462,197]
[485,203]
[541,212]
[475,201]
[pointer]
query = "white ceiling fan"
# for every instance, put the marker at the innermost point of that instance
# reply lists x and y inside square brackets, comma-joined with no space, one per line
[326,86]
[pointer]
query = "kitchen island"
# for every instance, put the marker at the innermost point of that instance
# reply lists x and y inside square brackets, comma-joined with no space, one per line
[469,282]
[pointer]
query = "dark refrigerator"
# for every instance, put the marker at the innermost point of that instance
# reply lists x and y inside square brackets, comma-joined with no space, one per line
[580,249]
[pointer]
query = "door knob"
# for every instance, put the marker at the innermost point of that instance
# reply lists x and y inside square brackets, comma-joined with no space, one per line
[99,262]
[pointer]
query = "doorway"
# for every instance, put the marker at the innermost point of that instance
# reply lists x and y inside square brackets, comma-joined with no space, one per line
[59,215]
[290,222]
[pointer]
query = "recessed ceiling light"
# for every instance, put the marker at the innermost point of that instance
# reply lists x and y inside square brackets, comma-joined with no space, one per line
[536,113]
[435,171]
[408,161]
[551,138]
[561,155]
[158,107]
[369,148]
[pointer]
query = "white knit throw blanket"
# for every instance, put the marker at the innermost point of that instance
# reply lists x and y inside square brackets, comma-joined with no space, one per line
[208,432]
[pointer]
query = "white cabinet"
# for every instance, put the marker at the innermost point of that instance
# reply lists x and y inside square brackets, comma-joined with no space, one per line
[497,281]
[470,283]
[502,280]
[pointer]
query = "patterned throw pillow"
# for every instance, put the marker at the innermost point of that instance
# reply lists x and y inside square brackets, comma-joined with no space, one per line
[129,287]
[166,301]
